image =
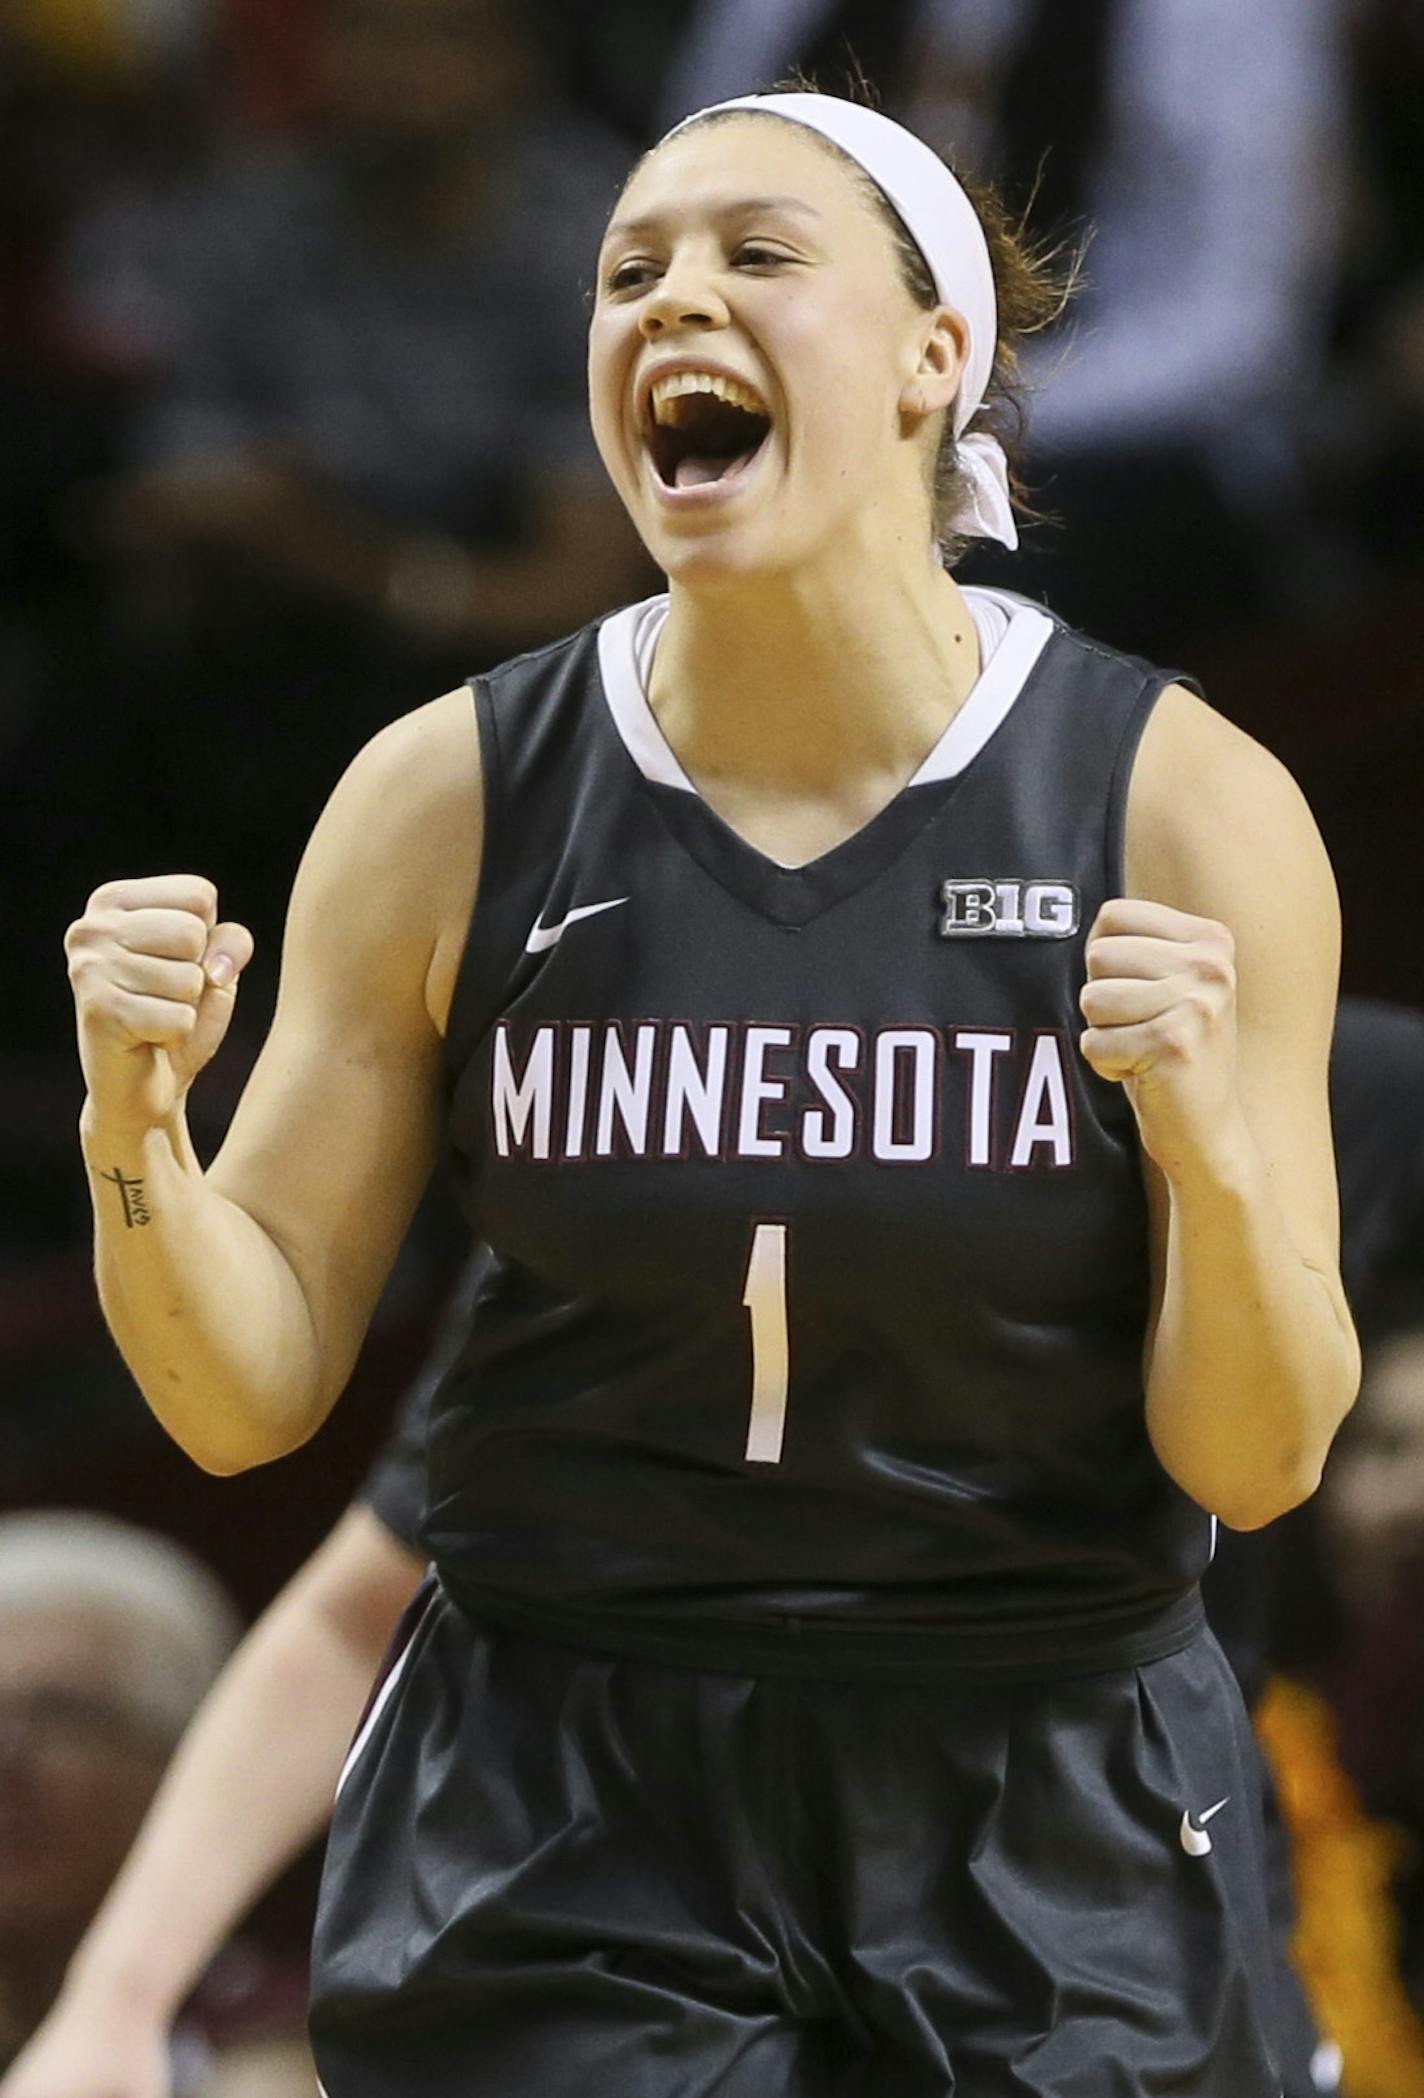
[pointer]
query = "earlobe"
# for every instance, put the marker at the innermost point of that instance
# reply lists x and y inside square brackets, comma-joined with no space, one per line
[933,386]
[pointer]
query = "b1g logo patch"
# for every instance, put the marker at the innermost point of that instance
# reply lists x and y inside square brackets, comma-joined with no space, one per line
[1008,910]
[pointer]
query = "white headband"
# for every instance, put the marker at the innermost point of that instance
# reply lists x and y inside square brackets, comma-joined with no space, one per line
[945,228]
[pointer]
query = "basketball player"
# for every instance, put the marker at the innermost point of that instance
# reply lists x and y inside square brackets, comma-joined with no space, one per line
[886,1054]
[253,1780]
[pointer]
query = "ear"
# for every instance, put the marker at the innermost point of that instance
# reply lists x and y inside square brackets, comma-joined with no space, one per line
[943,353]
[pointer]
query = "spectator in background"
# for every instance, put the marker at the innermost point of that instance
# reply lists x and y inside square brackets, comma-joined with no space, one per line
[109,1639]
[254,1779]
[1369,434]
[1203,150]
[375,394]
[95,101]
[1372,1515]
[362,469]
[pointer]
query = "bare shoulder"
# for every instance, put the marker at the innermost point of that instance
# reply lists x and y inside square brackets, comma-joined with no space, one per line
[1215,822]
[416,784]
[403,828]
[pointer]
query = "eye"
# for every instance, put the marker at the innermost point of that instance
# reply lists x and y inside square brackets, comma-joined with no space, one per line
[757,256]
[628,276]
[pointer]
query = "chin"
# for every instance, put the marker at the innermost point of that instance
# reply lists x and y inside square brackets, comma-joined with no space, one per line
[743,555]
[707,568]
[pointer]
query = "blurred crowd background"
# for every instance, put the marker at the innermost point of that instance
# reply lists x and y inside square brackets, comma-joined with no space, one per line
[292,437]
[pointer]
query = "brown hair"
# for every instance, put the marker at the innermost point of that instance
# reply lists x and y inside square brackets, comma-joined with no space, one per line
[1033,282]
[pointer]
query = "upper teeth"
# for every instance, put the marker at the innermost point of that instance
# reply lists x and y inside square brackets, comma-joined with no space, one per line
[674,384]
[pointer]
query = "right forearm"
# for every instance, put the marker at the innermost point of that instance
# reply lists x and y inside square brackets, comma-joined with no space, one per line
[204,1306]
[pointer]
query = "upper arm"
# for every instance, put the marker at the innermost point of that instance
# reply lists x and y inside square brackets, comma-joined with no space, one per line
[335,1134]
[1216,826]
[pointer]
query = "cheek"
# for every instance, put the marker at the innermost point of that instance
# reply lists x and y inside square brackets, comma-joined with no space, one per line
[843,402]
[608,365]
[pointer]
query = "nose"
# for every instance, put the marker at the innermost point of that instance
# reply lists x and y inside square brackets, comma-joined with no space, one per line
[685,298]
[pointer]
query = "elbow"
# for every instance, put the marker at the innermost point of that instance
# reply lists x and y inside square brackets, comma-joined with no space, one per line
[222,1463]
[1251,1502]
[1247,1496]
[226,1453]
[1254,1509]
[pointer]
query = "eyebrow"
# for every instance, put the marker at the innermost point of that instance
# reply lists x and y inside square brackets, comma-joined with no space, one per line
[739,207]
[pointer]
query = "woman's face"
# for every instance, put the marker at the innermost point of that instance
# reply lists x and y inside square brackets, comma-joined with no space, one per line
[743,258]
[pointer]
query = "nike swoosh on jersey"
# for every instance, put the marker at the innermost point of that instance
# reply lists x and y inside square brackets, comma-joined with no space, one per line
[1195,1840]
[543,936]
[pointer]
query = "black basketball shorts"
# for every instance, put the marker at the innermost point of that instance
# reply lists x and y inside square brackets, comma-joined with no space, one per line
[560,1874]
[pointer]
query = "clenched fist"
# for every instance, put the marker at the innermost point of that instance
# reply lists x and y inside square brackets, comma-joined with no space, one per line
[155,978]
[1160,1003]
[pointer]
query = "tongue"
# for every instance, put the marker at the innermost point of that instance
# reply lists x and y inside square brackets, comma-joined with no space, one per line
[693,472]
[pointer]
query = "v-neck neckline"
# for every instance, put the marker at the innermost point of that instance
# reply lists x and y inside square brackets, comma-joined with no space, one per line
[792,896]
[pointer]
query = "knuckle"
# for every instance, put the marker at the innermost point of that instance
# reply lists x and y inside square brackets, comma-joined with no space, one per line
[1096,1052]
[1213,960]
[86,975]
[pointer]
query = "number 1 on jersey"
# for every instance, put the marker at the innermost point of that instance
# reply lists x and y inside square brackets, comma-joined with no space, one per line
[765,1299]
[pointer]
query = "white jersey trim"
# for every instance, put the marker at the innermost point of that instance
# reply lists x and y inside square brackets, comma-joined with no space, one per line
[378,1705]
[1012,636]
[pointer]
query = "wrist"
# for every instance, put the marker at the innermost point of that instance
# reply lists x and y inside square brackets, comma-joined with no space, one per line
[105,1137]
[100,1986]
[1224,1161]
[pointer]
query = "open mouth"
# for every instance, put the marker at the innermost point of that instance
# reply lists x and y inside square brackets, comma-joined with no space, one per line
[703,428]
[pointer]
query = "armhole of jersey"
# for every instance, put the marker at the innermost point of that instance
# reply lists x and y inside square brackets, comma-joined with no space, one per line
[1115,840]
[464,997]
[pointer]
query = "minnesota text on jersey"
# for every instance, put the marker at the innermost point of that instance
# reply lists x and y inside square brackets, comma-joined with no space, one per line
[741,1090]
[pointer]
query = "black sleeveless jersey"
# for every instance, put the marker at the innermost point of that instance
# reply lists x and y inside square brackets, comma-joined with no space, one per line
[812,1336]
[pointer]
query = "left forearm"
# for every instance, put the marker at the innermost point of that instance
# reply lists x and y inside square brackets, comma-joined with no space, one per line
[1253,1361]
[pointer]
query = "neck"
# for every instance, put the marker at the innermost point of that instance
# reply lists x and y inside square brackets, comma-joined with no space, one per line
[804,687]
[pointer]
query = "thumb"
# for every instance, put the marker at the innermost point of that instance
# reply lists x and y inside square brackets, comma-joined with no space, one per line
[229,951]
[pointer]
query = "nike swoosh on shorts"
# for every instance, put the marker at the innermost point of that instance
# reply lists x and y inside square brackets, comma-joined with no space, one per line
[1195,1840]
